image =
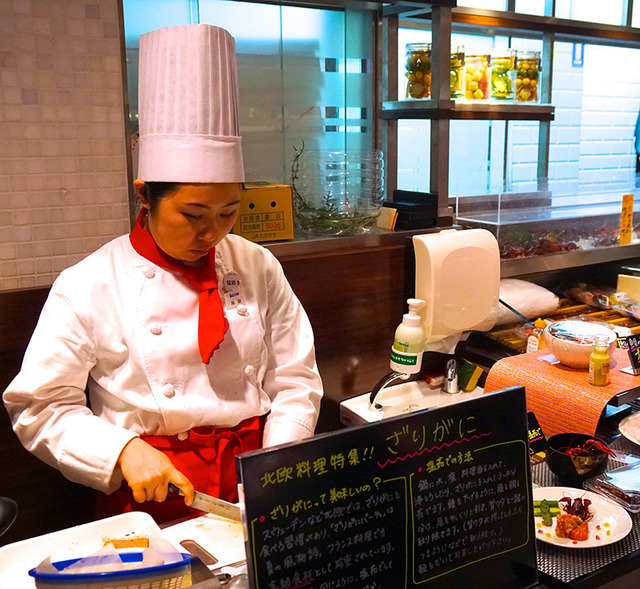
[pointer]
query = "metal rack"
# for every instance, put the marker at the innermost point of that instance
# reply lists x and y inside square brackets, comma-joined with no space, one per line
[440,109]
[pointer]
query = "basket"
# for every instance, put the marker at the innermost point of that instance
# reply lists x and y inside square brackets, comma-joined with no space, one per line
[176,575]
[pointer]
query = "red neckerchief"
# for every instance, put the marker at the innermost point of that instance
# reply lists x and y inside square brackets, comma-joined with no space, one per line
[212,323]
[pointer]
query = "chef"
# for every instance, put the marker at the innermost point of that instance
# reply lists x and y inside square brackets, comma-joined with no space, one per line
[190,342]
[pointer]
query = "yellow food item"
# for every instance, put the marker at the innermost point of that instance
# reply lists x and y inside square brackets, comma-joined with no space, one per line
[133,542]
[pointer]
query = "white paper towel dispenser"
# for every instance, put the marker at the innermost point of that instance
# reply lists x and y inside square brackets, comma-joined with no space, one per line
[458,276]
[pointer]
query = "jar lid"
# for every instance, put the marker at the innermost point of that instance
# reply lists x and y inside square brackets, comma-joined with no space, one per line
[418,47]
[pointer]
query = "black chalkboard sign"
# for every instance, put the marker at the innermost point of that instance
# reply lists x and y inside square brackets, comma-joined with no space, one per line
[633,349]
[438,498]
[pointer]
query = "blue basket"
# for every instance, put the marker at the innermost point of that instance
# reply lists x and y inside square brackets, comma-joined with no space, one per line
[167,576]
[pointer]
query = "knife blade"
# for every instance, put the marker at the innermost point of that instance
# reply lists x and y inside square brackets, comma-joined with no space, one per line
[204,502]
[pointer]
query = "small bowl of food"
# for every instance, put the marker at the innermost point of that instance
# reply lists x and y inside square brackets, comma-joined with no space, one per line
[571,341]
[577,457]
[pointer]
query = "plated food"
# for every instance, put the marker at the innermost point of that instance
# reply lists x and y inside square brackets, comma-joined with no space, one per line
[580,519]
[630,428]
[575,457]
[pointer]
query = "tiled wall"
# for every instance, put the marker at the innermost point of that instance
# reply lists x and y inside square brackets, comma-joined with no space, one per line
[63,178]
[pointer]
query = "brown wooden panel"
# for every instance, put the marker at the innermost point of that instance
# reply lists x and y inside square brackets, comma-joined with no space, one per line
[46,500]
[355,301]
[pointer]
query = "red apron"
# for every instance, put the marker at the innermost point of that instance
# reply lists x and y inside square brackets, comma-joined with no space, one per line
[206,458]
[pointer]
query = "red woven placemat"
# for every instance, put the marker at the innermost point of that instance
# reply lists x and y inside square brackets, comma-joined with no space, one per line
[561,397]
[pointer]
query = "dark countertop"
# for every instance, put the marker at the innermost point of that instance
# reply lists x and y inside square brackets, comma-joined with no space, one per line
[612,566]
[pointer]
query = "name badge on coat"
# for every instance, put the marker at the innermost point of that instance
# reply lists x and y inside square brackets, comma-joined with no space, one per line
[233,291]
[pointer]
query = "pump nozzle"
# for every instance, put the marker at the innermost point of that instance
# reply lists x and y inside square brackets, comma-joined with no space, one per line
[412,318]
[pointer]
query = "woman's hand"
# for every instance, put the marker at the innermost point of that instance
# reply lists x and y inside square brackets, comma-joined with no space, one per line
[148,472]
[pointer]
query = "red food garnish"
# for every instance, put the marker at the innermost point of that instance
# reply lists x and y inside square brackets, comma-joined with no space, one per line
[589,448]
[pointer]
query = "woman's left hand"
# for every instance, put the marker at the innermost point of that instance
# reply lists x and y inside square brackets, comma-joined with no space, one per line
[148,473]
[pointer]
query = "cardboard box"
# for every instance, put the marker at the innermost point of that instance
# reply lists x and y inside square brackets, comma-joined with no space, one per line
[266,212]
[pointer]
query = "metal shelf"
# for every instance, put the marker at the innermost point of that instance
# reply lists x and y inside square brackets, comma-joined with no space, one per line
[562,261]
[449,109]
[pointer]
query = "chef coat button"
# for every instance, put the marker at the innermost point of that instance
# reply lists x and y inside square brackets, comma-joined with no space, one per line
[242,310]
[249,370]
[149,273]
[182,436]
[155,329]
[168,391]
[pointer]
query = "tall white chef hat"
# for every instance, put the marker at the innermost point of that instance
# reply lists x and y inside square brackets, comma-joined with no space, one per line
[188,106]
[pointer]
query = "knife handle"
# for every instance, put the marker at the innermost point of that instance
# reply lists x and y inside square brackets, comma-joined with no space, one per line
[174,489]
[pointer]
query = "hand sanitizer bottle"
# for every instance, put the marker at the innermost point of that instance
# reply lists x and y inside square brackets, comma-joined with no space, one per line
[406,352]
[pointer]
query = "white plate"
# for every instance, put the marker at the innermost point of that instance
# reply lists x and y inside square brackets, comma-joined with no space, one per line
[629,427]
[615,523]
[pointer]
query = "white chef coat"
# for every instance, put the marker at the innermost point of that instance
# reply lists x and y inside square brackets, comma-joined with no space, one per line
[128,329]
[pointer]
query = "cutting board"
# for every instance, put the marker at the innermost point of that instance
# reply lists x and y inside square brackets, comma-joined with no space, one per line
[220,537]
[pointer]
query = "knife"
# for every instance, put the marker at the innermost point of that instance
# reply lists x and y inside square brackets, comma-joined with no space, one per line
[204,502]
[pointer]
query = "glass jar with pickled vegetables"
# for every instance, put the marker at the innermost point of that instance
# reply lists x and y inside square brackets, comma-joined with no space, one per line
[503,74]
[418,70]
[477,77]
[528,72]
[456,85]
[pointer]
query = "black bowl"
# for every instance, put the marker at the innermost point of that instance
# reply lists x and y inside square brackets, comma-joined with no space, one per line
[574,468]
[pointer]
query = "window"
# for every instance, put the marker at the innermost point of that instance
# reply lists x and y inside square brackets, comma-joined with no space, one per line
[595,93]
[306,74]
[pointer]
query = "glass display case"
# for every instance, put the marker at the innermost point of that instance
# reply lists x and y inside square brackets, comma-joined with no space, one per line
[551,219]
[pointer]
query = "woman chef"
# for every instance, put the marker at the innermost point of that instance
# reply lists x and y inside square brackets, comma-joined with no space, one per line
[190,341]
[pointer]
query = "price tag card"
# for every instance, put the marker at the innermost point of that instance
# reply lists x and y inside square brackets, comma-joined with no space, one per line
[537,441]
[626,219]
[633,349]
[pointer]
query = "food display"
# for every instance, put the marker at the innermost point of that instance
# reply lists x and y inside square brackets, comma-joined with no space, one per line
[573,518]
[503,74]
[457,76]
[574,522]
[418,70]
[571,341]
[621,484]
[528,76]
[477,77]
[543,230]
[590,448]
